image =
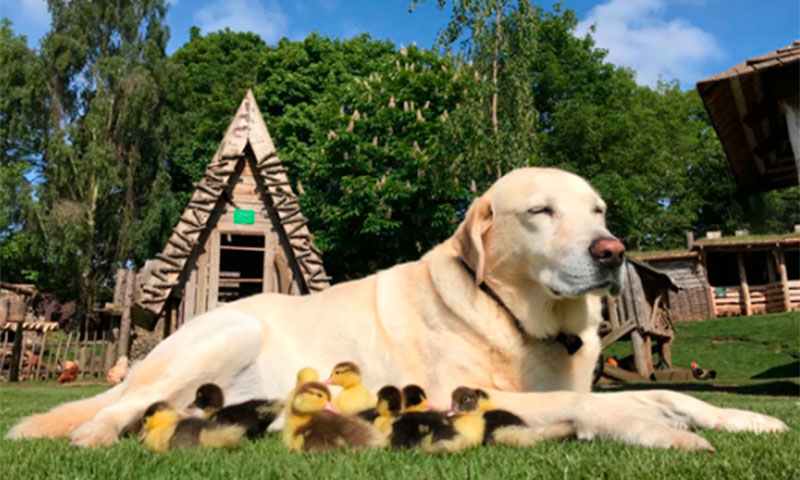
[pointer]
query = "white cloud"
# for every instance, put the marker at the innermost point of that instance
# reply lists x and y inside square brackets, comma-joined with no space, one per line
[637,35]
[264,17]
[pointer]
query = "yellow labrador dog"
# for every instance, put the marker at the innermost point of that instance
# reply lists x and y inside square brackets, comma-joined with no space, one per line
[510,303]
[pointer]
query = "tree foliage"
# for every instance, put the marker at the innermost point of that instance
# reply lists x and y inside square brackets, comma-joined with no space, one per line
[378,172]
[102,135]
[105,65]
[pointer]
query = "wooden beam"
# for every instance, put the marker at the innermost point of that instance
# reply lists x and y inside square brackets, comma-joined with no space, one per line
[780,259]
[16,354]
[642,353]
[745,288]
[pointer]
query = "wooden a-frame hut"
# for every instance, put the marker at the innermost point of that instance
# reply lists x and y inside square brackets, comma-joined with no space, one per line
[242,233]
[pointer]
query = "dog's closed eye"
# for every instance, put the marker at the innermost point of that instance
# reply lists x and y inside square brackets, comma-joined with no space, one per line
[546,210]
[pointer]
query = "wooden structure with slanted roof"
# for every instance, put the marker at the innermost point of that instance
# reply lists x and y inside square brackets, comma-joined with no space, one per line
[752,274]
[755,109]
[692,301]
[640,313]
[242,233]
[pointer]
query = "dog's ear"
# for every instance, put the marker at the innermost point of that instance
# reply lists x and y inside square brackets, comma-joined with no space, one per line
[470,235]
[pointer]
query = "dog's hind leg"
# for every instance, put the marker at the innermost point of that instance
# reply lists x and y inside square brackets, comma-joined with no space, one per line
[63,419]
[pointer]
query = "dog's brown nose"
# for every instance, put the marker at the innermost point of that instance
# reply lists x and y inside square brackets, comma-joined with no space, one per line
[607,251]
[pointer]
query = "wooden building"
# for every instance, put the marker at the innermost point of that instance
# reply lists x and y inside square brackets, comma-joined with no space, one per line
[752,274]
[641,314]
[755,109]
[734,275]
[692,300]
[242,233]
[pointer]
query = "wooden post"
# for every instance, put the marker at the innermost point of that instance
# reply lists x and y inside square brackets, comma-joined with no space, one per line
[642,353]
[613,318]
[16,353]
[42,347]
[748,307]
[3,345]
[780,259]
[213,274]
[125,322]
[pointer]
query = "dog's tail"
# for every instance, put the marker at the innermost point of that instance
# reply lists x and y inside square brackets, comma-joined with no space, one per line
[63,419]
[228,436]
[518,436]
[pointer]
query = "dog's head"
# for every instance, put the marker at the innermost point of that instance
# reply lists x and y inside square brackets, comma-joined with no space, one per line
[544,227]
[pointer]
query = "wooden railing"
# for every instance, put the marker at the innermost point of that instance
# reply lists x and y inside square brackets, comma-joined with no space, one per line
[794,294]
[728,301]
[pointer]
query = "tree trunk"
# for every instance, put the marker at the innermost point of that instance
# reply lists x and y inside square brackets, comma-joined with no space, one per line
[498,36]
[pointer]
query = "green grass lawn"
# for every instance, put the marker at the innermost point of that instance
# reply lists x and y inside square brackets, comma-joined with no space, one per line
[750,354]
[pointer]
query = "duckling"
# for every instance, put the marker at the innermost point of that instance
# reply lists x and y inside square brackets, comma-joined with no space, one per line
[255,416]
[502,426]
[414,399]
[305,375]
[467,430]
[310,427]
[417,423]
[390,403]
[354,397]
[164,429]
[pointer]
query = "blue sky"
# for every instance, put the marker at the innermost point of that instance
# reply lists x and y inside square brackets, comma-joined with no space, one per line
[683,39]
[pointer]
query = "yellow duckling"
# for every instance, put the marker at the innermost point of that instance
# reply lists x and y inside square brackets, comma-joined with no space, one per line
[311,428]
[390,404]
[304,375]
[354,397]
[502,426]
[164,429]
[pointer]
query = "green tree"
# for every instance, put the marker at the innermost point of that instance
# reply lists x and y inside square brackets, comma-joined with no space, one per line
[496,40]
[380,182]
[105,71]
[21,137]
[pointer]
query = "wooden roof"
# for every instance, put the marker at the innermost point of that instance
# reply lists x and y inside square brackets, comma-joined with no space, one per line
[246,139]
[656,255]
[664,279]
[744,104]
[749,241]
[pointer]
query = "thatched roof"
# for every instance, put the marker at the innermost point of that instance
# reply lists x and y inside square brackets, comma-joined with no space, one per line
[747,106]
[246,139]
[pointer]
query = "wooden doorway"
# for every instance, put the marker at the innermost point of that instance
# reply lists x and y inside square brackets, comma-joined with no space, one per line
[242,265]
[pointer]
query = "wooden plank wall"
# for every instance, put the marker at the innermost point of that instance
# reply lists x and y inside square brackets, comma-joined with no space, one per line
[201,292]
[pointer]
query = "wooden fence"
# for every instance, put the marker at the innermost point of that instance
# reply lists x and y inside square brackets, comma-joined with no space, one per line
[42,350]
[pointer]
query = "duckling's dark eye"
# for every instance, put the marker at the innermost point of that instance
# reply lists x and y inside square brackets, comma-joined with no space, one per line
[546,210]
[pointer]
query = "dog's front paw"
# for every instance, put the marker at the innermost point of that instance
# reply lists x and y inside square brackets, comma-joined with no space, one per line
[734,420]
[94,434]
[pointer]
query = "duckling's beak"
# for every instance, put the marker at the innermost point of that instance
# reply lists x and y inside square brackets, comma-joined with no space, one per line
[328,381]
[329,407]
[193,411]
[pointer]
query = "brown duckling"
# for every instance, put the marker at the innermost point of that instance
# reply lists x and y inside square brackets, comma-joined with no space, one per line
[255,416]
[310,427]
[354,397]
[164,429]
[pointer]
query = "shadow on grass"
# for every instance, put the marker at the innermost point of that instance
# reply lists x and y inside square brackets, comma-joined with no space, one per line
[791,369]
[777,388]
